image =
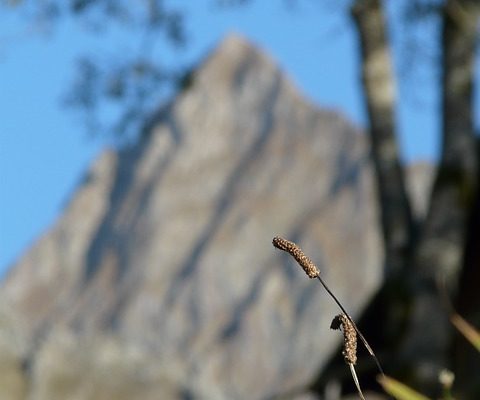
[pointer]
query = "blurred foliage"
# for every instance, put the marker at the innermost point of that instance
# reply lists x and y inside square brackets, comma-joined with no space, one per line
[133,85]
[113,94]
[98,14]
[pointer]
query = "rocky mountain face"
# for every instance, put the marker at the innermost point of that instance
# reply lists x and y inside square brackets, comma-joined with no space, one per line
[159,281]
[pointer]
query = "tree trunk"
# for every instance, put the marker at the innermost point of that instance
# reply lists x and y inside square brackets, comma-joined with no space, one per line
[465,360]
[440,252]
[390,305]
[379,89]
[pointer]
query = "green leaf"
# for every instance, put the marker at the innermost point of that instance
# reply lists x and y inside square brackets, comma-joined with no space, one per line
[467,330]
[399,390]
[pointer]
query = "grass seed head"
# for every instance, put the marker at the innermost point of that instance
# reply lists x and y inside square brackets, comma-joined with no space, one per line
[296,252]
[349,338]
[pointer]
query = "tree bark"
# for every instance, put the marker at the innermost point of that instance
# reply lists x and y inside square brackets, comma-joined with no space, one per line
[379,90]
[441,249]
[465,360]
[440,253]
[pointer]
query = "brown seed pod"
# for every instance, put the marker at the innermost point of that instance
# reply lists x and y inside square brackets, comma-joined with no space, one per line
[349,352]
[296,252]
[349,338]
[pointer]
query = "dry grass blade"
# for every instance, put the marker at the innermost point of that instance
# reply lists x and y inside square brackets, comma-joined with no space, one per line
[355,379]
[399,390]
[467,330]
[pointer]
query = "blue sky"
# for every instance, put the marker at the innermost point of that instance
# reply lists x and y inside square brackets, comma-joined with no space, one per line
[44,149]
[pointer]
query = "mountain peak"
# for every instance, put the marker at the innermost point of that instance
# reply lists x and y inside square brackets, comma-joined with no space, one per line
[234,52]
[236,65]
[167,248]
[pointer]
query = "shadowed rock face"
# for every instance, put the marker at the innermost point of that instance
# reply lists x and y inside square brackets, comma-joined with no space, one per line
[160,280]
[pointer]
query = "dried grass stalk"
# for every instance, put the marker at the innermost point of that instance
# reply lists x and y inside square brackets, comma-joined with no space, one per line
[312,271]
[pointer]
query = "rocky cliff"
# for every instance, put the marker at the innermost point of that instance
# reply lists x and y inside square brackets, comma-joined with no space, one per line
[159,280]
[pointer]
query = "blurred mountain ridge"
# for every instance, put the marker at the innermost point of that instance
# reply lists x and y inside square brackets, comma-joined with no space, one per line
[160,281]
